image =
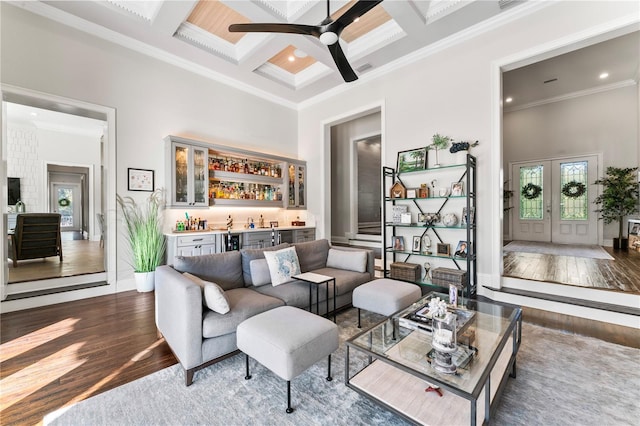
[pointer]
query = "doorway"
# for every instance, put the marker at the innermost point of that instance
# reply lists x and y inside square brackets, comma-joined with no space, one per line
[552,200]
[356,157]
[68,196]
[80,126]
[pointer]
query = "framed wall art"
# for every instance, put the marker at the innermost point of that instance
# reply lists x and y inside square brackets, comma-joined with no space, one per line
[412,160]
[140,180]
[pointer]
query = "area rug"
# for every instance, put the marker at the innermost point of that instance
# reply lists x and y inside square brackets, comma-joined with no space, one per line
[562,379]
[577,250]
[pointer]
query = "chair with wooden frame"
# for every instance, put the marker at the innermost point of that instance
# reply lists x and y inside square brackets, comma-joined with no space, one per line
[37,235]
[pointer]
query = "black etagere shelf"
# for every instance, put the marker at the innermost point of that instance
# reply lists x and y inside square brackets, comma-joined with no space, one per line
[468,176]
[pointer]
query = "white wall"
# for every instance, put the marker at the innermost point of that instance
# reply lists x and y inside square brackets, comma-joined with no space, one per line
[605,122]
[152,99]
[23,150]
[451,91]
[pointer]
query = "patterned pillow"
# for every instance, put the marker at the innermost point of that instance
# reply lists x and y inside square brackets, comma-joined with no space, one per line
[283,264]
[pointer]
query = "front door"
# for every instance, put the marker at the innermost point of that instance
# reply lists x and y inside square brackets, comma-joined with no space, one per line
[66,199]
[553,200]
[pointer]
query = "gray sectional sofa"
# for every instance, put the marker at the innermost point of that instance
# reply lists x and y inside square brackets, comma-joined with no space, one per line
[200,337]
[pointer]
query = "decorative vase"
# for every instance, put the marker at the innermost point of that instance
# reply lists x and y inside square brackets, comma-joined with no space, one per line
[145,281]
[444,342]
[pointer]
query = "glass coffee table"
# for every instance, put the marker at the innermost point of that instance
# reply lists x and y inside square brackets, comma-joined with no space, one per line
[396,370]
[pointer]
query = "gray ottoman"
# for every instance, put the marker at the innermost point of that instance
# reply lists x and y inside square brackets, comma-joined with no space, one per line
[385,296]
[287,341]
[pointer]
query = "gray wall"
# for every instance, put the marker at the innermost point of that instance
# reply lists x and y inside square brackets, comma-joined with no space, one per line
[369,179]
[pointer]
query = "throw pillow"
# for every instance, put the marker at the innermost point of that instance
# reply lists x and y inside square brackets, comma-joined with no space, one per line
[283,264]
[213,296]
[349,260]
[260,274]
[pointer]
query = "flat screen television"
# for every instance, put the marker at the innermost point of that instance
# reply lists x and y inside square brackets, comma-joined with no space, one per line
[14,190]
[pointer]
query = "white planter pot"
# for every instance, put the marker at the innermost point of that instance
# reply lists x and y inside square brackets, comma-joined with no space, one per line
[145,281]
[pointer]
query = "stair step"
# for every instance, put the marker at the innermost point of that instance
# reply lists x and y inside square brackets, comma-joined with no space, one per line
[628,310]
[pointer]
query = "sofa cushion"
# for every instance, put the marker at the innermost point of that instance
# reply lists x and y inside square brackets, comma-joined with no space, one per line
[244,303]
[250,254]
[351,260]
[224,269]
[213,296]
[312,254]
[283,264]
[260,274]
[346,281]
[294,293]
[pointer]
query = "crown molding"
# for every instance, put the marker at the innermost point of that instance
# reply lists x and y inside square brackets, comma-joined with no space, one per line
[83,25]
[573,95]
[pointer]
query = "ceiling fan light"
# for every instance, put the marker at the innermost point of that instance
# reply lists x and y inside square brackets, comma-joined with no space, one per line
[328,38]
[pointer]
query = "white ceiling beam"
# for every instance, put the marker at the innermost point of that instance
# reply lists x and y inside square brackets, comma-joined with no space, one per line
[171,15]
[262,52]
[408,17]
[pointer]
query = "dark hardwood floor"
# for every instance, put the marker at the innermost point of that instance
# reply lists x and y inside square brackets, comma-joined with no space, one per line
[620,274]
[57,355]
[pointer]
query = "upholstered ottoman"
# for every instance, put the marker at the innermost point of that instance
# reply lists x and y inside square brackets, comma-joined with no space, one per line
[287,341]
[385,296]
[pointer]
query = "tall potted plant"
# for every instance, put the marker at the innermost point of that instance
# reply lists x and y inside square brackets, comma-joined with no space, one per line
[619,198]
[143,227]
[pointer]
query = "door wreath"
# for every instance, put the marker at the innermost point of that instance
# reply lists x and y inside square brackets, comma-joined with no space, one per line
[531,191]
[574,189]
[64,202]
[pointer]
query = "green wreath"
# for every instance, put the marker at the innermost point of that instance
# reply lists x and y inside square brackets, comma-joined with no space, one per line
[574,189]
[531,191]
[64,202]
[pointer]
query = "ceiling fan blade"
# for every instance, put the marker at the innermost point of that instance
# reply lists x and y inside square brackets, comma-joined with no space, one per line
[275,28]
[356,11]
[343,65]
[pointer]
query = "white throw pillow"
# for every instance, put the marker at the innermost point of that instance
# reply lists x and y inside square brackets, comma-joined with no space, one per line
[283,264]
[260,274]
[213,295]
[350,260]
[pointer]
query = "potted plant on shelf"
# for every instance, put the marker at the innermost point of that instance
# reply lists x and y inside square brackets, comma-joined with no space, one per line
[439,142]
[619,198]
[143,227]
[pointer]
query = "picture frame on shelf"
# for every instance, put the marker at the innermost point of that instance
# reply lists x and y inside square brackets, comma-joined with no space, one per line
[443,249]
[411,193]
[140,180]
[470,219]
[462,249]
[457,189]
[416,243]
[397,243]
[405,218]
[396,213]
[411,160]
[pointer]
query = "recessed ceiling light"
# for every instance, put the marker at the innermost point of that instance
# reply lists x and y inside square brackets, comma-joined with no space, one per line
[604,75]
[291,58]
[300,53]
[508,100]
[34,114]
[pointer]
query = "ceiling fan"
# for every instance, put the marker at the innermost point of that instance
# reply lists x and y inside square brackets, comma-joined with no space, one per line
[328,31]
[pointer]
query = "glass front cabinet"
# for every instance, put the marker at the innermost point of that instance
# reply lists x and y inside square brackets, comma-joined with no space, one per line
[188,183]
[203,175]
[297,195]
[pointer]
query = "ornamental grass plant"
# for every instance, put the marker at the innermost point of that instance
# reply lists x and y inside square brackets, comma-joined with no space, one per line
[143,227]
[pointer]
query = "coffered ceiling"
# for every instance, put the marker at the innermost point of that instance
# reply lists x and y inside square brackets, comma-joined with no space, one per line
[287,67]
